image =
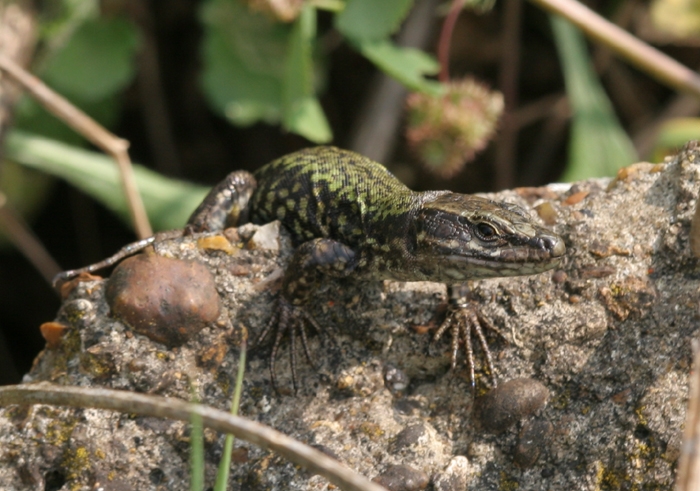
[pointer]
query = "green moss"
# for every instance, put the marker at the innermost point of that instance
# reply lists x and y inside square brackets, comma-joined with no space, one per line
[372,430]
[76,462]
[60,429]
[612,479]
[507,483]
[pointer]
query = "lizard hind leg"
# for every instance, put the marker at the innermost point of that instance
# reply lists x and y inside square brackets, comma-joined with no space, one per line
[291,319]
[312,262]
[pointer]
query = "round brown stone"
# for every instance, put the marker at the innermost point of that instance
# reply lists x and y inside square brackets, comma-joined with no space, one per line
[168,300]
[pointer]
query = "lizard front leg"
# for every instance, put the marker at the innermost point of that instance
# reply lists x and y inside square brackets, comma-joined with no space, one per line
[312,261]
[464,319]
[225,205]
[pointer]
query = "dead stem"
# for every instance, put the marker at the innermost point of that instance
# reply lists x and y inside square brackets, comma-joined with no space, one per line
[90,129]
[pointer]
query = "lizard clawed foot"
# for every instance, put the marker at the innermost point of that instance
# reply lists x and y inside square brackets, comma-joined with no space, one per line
[464,319]
[291,318]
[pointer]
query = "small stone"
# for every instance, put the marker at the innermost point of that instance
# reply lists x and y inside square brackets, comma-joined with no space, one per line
[79,312]
[407,406]
[395,379]
[345,382]
[509,403]
[559,277]
[576,198]
[52,333]
[167,300]
[216,243]
[402,478]
[67,287]
[547,213]
[266,237]
[533,438]
[408,436]
[454,477]
[99,361]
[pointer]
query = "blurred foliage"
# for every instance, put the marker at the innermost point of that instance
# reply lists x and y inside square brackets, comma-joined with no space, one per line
[673,134]
[598,145]
[265,62]
[169,202]
[447,131]
[257,68]
[87,58]
[679,19]
[90,60]
[371,20]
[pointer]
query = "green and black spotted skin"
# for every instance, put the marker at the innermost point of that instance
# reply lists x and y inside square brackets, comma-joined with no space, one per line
[326,192]
[394,232]
[348,215]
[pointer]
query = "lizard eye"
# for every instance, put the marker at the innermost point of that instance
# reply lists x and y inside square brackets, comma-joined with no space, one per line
[486,231]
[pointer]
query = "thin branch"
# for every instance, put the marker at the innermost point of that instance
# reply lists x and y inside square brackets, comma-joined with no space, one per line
[508,81]
[26,242]
[446,40]
[152,96]
[161,407]
[90,129]
[375,129]
[661,67]
[688,476]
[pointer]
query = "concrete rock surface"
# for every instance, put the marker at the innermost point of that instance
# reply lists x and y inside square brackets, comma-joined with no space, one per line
[607,338]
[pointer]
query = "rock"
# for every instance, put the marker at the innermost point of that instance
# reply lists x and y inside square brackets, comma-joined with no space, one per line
[608,336]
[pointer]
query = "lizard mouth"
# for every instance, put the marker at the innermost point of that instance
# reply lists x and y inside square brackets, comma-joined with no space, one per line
[539,255]
[539,250]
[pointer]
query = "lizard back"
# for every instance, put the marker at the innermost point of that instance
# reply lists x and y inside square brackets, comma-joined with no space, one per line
[332,193]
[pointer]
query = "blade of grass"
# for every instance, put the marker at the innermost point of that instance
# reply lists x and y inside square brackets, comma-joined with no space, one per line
[169,202]
[196,447]
[599,146]
[162,407]
[225,464]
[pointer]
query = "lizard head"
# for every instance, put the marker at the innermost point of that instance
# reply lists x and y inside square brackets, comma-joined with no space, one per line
[461,237]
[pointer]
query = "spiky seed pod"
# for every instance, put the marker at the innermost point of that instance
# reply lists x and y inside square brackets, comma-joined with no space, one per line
[279,10]
[448,130]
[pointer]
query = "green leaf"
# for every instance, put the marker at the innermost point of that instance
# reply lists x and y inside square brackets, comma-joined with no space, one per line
[599,146]
[673,134]
[258,70]
[32,116]
[244,62]
[302,111]
[307,119]
[407,65]
[168,202]
[371,20]
[96,62]
[242,95]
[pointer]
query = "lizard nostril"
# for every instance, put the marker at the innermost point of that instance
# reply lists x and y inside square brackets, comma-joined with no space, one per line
[554,244]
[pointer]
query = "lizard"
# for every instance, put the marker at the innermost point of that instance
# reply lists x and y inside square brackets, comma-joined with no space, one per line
[348,216]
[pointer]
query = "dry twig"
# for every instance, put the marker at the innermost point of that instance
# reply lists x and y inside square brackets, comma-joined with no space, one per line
[650,60]
[90,129]
[161,407]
